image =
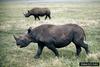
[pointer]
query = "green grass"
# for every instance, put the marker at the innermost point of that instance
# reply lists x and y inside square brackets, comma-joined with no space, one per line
[12,21]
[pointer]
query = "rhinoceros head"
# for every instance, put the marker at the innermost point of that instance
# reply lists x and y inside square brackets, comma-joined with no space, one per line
[23,40]
[27,14]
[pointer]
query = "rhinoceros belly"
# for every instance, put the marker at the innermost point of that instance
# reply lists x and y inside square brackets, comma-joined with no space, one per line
[62,43]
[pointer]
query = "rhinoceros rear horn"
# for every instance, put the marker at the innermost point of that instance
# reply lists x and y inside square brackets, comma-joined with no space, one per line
[15,37]
[30,29]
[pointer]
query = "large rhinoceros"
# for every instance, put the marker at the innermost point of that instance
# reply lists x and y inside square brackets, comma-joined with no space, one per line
[53,36]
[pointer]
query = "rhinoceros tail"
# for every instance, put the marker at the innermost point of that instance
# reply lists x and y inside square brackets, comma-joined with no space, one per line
[84,35]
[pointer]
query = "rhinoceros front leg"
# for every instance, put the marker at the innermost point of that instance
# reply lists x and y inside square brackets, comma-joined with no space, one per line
[36,17]
[39,51]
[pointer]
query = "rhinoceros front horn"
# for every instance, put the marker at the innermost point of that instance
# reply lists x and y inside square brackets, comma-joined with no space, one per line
[15,37]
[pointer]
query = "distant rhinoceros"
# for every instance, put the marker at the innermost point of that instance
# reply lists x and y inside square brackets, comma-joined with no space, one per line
[36,12]
[53,36]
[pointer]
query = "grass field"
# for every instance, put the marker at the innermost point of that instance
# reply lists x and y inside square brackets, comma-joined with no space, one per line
[12,21]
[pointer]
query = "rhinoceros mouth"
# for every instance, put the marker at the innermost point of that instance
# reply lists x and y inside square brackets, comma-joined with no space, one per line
[21,46]
[18,46]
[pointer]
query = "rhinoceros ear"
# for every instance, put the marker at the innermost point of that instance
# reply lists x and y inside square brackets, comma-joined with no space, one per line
[30,29]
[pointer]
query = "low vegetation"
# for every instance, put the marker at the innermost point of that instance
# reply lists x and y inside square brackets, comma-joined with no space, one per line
[12,21]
